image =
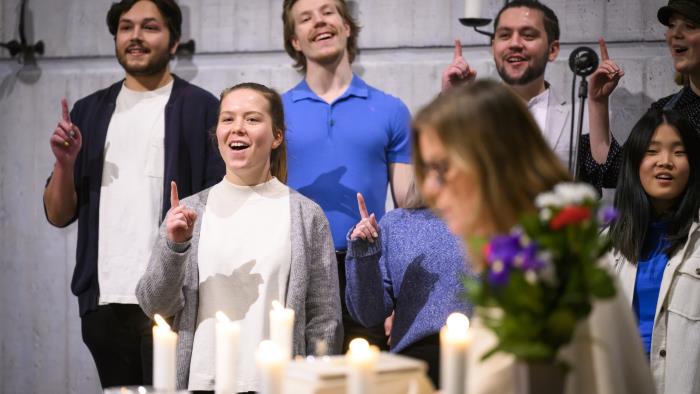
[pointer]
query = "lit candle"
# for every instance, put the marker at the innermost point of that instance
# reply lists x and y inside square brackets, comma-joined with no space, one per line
[282,328]
[164,345]
[361,359]
[472,8]
[227,335]
[454,343]
[271,361]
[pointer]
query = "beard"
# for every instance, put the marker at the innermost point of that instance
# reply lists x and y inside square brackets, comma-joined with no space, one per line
[156,64]
[532,72]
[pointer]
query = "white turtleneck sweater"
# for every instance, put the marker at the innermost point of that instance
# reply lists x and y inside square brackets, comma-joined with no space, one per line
[244,259]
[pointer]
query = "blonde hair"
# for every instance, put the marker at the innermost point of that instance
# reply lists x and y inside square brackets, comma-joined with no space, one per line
[485,127]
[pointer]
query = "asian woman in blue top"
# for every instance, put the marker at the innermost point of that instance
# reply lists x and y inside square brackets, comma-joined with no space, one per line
[657,246]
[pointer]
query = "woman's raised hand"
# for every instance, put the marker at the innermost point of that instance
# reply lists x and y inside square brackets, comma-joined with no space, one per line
[179,222]
[605,78]
[367,228]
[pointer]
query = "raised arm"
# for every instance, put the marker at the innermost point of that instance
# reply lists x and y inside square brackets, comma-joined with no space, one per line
[160,288]
[60,197]
[458,72]
[601,84]
[366,297]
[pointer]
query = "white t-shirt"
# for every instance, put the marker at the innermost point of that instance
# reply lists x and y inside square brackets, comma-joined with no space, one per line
[131,195]
[244,258]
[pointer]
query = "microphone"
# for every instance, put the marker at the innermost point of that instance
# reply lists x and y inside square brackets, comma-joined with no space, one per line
[583,61]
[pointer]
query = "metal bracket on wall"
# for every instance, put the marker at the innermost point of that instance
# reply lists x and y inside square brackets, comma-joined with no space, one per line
[26,50]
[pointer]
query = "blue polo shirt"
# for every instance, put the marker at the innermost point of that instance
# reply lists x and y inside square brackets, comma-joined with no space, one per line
[336,150]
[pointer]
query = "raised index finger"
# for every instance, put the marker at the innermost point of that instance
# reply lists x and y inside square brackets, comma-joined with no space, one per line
[174,200]
[361,204]
[603,50]
[66,113]
[458,50]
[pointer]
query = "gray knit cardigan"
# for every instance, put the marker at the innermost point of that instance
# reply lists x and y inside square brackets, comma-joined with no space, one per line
[170,285]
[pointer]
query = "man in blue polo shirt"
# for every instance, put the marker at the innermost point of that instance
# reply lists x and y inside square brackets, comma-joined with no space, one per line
[343,135]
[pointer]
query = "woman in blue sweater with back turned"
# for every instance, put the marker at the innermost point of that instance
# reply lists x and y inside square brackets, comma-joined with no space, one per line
[408,263]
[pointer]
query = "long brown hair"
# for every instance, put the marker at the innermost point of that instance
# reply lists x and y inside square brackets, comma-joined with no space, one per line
[278,156]
[486,127]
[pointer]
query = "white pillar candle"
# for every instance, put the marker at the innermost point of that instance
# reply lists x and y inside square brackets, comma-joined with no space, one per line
[282,328]
[472,8]
[271,362]
[164,345]
[454,344]
[361,359]
[227,337]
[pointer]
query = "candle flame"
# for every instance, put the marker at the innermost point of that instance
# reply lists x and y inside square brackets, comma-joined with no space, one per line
[457,321]
[221,317]
[162,324]
[276,305]
[359,346]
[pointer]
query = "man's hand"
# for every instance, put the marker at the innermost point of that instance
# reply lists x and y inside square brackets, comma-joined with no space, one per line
[66,139]
[179,222]
[605,78]
[458,72]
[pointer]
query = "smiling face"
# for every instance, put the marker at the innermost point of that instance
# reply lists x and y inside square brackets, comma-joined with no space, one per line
[683,40]
[664,170]
[520,46]
[142,40]
[320,33]
[246,137]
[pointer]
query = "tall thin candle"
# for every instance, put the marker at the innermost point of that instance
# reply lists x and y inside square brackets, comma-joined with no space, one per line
[227,337]
[454,344]
[164,345]
[282,328]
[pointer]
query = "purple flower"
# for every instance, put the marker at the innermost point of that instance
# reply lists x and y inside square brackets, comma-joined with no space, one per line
[607,215]
[498,273]
[508,252]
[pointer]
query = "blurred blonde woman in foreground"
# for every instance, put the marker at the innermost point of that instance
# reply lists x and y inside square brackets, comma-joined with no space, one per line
[481,161]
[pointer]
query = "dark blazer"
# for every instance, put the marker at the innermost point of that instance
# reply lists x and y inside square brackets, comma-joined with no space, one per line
[191,159]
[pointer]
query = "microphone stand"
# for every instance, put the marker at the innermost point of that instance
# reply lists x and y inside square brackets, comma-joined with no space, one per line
[574,147]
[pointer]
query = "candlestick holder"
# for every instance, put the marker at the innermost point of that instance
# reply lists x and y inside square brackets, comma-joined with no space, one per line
[476,23]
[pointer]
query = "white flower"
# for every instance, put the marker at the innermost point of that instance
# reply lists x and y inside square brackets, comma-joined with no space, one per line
[531,277]
[545,214]
[548,199]
[574,193]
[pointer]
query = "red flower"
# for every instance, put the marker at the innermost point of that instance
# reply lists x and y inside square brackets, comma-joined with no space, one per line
[570,215]
[486,251]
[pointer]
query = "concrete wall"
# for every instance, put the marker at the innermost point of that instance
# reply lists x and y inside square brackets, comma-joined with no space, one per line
[405,45]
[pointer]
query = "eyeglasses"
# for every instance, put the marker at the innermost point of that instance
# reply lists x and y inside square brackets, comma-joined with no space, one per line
[440,169]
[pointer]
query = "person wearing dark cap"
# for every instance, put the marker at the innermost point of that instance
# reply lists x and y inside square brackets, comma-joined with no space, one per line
[682,18]
[116,153]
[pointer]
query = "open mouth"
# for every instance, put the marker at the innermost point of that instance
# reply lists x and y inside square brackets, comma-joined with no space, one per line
[678,50]
[136,50]
[664,177]
[238,146]
[323,37]
[516,59]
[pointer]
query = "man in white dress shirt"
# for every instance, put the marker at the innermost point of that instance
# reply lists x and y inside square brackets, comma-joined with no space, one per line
[525,40]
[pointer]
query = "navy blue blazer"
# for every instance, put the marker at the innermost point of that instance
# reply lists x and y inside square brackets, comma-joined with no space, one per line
[191,159]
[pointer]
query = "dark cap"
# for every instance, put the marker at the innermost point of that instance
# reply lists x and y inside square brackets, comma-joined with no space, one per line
[689,9]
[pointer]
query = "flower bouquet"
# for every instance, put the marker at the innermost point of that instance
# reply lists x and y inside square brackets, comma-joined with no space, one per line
[540,280]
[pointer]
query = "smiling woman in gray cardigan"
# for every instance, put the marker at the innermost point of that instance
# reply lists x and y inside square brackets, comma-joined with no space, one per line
[239,245]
